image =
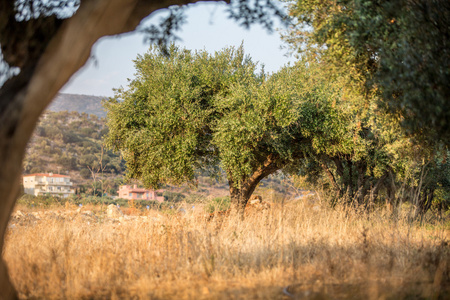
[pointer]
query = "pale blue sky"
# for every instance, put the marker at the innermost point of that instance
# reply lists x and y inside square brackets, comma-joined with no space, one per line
[207,28]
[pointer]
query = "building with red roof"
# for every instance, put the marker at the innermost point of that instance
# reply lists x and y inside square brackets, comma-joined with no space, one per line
[134,193]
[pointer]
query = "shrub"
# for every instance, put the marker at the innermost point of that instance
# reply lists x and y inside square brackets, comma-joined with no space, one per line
[40,201]
[218,204]
[173,196]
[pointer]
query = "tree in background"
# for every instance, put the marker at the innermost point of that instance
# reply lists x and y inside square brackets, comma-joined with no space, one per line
[400,49]
[196,112]
[192,111]
[391,54]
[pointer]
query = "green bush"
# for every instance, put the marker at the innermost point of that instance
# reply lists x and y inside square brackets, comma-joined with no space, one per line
[85,173]
[173,196]
[194,198]
[218,204]
[47,201]
[40,201]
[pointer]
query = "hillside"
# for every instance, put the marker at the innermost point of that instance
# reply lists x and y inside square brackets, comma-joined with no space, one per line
[71,143]
[79,103]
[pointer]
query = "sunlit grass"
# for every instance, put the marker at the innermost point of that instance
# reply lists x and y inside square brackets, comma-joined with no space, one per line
[310,251]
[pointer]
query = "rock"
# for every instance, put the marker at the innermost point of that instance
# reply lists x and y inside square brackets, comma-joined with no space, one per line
[113,211]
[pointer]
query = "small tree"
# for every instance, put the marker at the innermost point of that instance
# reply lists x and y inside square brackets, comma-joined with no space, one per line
[97,167]
[191,111]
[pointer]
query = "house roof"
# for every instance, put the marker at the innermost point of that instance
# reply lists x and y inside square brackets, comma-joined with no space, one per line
[46,174]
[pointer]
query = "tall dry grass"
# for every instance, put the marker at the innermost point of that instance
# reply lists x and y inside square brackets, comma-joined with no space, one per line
[290,251]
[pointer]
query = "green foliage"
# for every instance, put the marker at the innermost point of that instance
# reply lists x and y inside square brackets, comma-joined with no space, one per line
[397,48]
[173,196]
[83,200]
[192,112]
[68,163]
[381,54]
[40,201]
[188,112]
[85,173]
[218,204]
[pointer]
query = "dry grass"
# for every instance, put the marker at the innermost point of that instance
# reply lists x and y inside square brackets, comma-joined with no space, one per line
[317,253]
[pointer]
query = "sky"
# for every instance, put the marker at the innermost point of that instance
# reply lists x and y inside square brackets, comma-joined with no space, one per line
[207,28]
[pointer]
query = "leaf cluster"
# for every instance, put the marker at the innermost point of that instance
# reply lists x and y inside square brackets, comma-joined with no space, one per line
[399,49]
[193,111]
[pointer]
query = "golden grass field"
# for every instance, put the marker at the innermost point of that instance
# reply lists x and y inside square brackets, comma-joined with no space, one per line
[292,251]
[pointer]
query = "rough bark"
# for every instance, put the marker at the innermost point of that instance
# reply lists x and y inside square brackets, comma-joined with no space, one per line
[45,68]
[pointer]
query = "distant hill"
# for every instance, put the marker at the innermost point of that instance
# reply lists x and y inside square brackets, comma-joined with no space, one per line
[72,143]
[80,103]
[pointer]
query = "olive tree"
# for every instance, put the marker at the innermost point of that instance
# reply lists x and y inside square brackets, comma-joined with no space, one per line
[192,111]
[395,56]
[400,49]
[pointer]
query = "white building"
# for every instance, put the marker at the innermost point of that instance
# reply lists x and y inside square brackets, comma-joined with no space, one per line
[47,184]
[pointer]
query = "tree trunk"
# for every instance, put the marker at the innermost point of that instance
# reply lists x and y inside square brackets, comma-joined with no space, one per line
[332,180]
[17,126]
[361,182]
[350,179]
[24,97]
[375,190]
[240,194]
[424,202]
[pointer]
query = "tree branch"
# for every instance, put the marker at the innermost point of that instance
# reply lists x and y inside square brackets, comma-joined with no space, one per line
[331,178]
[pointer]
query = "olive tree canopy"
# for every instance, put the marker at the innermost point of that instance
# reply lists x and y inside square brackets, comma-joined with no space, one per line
[400,49]
[191,111]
